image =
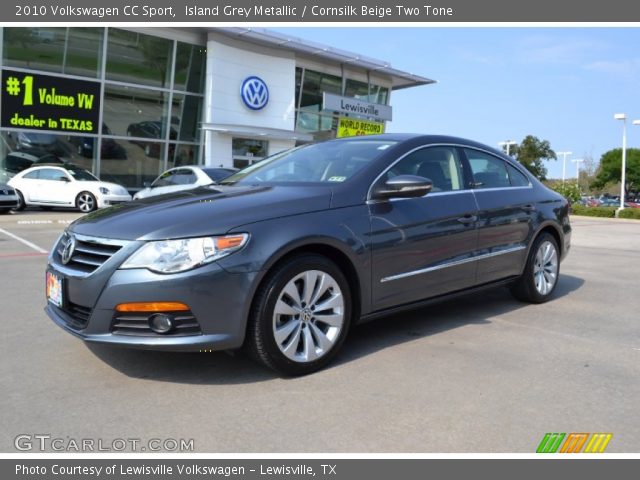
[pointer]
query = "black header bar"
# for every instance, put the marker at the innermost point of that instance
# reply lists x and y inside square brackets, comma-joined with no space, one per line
[328,11]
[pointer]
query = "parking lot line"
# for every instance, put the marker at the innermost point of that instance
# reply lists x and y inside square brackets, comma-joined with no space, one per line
[23,241]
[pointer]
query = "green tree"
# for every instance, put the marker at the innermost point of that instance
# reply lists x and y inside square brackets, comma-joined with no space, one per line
[531,152]
[610,170]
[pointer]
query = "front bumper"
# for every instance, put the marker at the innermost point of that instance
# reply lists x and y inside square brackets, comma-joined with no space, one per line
[109,200]
[175,344]
[218,300]
[8,201]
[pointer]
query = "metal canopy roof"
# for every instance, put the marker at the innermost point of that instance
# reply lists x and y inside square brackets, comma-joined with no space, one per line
[319,51]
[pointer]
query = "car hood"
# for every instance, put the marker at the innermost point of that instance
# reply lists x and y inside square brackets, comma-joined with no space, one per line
[200,212]
[151,192]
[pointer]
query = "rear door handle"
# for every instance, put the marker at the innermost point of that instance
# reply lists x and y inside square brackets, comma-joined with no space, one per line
[529,208]
[468,219]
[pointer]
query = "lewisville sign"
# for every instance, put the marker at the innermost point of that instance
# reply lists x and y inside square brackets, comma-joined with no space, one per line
[353,106]
[48,102]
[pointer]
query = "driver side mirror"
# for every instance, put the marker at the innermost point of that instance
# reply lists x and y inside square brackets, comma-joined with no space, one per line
[403,186]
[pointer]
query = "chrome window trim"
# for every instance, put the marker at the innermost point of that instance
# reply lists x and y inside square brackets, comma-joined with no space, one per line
[434,194]
[495,189]
[454,145]
[452,264]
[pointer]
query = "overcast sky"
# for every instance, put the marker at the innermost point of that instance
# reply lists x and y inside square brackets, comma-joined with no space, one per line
[559,84]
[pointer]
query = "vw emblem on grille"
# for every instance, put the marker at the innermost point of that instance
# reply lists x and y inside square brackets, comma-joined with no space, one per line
[254,93]
[67,252]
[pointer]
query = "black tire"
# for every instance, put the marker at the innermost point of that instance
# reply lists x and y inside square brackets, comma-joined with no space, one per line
[21,205]
[542,271]
[86,202]
[310,332]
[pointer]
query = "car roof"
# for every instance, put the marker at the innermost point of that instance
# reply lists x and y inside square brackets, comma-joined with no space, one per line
[66,166]
[432,139]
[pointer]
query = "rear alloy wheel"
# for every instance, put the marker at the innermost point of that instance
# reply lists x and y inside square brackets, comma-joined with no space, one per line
[540,276]
[301,316]
[86,202]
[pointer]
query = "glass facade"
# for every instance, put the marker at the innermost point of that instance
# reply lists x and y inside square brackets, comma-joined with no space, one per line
[151,105]
[310,85]
[151,96]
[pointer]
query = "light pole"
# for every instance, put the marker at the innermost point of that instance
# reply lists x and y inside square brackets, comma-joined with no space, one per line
[564,163]
[577,162]
[508,144]
[623,117]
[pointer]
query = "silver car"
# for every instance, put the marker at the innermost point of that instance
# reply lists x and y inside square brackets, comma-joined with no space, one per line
[8,198]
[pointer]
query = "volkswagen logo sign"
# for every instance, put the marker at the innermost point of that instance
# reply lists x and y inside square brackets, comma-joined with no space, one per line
[254,93]
[67,252]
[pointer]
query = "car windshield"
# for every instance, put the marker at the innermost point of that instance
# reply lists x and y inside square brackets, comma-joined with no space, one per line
[82,175]
[322,163]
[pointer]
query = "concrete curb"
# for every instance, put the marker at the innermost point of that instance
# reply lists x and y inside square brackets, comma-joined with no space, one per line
[604,219]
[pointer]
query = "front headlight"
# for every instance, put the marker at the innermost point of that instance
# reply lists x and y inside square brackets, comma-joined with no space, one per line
[104,191]
[172,256]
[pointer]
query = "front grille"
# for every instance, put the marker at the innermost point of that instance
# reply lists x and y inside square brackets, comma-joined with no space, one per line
[89,253]
[138,324]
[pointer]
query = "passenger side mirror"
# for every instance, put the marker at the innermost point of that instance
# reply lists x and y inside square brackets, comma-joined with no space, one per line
[62,178]
[403,186]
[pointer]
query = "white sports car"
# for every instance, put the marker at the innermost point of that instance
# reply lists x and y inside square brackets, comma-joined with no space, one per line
[65,186]
[184,178]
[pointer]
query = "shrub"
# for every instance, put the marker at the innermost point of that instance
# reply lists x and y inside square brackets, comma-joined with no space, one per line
[630,213]
[608,212]
[568,190]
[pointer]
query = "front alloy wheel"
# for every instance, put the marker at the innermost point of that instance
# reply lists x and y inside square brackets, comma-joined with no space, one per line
[301,316]
[308,316]
[86,202]
[21,203]
[540,276]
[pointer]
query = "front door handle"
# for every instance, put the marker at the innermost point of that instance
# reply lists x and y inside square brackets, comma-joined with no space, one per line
[529,208]
[468,219]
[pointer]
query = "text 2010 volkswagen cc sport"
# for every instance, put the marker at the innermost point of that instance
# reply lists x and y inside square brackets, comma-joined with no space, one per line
[285,255]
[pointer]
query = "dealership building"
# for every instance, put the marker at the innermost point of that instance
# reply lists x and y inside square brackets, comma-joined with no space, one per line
[128,103]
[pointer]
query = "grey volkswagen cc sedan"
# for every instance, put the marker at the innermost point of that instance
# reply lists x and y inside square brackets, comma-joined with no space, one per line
[283,257]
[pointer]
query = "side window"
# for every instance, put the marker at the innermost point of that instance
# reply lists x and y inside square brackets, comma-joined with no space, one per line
[51,174]
[517,178]
[184,177]
[166,179]
[441,165]
[488,171]
[33,175]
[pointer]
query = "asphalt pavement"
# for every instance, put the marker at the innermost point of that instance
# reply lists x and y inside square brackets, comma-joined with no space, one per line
[483,373]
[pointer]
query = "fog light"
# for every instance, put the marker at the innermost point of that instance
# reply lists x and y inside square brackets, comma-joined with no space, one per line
[160,323]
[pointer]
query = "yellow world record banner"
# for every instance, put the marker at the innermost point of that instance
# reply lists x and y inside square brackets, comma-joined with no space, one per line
[352,127]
